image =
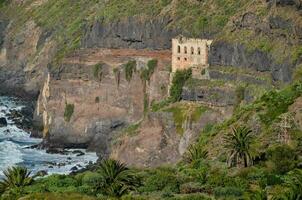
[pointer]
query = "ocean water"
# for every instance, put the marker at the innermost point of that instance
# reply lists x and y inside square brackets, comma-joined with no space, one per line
[14,151]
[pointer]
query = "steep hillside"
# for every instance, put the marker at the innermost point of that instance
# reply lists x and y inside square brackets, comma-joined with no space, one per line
[263,35]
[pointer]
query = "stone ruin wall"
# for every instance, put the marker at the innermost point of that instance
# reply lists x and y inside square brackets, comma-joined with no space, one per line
[190,53]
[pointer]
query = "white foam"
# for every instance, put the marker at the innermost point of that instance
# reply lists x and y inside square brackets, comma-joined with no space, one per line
[10,155]
[13,152]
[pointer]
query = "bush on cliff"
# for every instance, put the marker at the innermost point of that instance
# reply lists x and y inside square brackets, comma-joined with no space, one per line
[179,80]
[97,71]
[130,68]
[69,109]
[147,72]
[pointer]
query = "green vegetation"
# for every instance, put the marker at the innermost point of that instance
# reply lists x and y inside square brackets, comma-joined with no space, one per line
[116,179]
[15,179]
[274,103]
[298,73]
[147,72]
[195,154]
[238,143]
[184,114]
[179,80]
[97,71]
[297,53]
[69,110]
[132,129]
[97,100]
[130,68]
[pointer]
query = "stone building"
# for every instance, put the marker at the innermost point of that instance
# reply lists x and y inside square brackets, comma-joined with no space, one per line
[190,53]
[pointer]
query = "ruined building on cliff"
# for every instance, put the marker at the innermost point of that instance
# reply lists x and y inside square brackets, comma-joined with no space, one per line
[190,53]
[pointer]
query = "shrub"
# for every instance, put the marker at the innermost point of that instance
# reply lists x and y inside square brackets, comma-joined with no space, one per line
[297,53]
[191,187]
[159,105]
[224,192]
[195,153]
[283,158]
[69,110]
[274,103]
[147,73]
[298,73]
[97,71]
[130,68]
[179,79]
[161,179]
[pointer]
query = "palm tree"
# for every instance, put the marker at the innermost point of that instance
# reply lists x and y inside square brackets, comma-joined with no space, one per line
[117,178]
[15,178]
[195,153]
[238,142]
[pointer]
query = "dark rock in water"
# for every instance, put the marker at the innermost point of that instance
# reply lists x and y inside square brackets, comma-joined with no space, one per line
[78,152]
[69,158]
[41,173]
[50,167]
[61,164]
[56,151]
[3,122]
[7,131]
[74,168]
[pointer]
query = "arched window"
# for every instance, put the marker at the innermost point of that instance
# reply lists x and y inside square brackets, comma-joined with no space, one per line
[178,49]
[186,50]
[198,50]
[192,50]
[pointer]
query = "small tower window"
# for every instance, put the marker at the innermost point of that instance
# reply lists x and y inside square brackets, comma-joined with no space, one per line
[192,50]
[198,50]
[178,58]
[186,50]
[178,49]
[185,59]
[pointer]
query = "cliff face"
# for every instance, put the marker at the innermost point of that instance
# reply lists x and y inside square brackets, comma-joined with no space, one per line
[24,57]
[132,32]
[58,59]
[103,102]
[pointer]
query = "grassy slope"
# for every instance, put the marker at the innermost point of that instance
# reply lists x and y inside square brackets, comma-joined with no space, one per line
[67,18]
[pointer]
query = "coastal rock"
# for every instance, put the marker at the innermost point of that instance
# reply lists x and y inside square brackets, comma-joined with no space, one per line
[41,173]
[100,107]
[3,122]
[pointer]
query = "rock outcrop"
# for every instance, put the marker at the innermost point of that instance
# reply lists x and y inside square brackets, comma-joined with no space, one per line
[228,54]
[132,32]
[103,104]
[157,141]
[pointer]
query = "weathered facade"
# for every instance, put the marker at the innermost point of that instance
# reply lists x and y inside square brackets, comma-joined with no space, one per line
[190,53]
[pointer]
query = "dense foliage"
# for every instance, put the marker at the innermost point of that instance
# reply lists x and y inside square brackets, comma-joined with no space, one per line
[179,80]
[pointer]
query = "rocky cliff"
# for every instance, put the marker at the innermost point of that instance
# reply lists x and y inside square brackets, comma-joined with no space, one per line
[77,65]
[106,94]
